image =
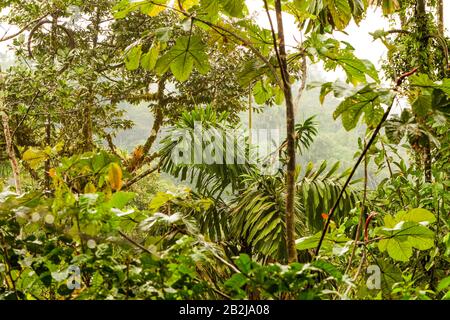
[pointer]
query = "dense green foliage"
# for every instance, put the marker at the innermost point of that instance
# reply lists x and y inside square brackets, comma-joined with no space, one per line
[84,216]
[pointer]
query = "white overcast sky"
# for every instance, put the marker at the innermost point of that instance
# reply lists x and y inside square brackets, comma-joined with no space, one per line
[358,36]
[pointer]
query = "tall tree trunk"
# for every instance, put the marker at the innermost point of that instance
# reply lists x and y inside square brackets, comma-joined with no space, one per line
[159,117]
[139,157]
[427,162]
[250,114]
[88,131]
[10,147]
[424,67]
[290,126]
[88,137]
[422,25]
[48,123]
[48,142]
[440,14]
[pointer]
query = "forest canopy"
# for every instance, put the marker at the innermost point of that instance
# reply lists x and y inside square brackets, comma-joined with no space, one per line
[200,149]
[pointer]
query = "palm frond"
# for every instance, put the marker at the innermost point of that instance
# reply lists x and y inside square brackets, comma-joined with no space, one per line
[319,189]
[305,133]
[257,218]
[213,222]
[210,176]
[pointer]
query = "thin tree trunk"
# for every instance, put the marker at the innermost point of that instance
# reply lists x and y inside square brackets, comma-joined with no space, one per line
[88,142]
[48,141]
[440,14]
[290,126]
[421,18]
[10,148]
[159,117]
[250,116]
[361,217]
[138,161]
[48,124]
[391,174]
[88,131]
[428,162]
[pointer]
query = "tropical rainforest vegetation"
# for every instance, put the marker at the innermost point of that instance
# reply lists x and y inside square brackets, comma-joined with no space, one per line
[86,213]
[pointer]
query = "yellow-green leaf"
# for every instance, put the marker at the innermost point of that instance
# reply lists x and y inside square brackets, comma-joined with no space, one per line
[416,215]
[159,200]
[34,157]
[133,57]
[148,61]
[115,176]
[155,8]
[188,51]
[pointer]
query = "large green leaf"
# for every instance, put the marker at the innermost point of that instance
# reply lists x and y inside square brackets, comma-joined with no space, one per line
[211,8]
[329,241]
[262,92]
[34,157]
[403,237]
[357,69]
[416,215]
[149,59]
[390,274]
[160,199]
[153,9]
[423,81]
[330,51]
[432,95]
[133,57]
[188,51]
[186,4]
[397,249]
[445,86]
[444,284]
[330,14]
[388,6]
[125,7]
[120,199]
[252,70]
[422,104]
[340,12]
[366,101]
[234,8]
[122,9]
[327,267]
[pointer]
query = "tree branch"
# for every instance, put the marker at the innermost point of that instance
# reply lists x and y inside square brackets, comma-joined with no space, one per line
[26,113]
[244,41]
[274,37]
[349,178]
[398,83]
[135,243]
[144,174]
[6,38]
[290,138]
[361,215]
